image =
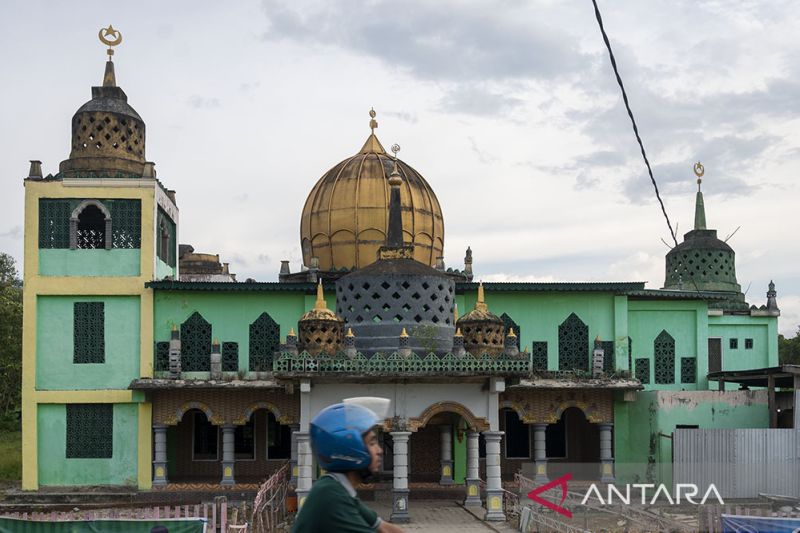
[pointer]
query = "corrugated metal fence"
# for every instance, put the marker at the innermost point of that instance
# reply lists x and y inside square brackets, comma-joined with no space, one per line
[741,463]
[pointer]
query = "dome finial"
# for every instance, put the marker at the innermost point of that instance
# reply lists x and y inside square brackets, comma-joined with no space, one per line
[481,303]
[699,207]
[320,303]
[110,37]
[372,122]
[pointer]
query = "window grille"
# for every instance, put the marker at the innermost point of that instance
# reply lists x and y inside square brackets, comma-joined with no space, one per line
[630,355]
[539,355]
[89,345]
[688,370]
[643,370]
[748,344]
[91,229]
[54,223]
[162,357]
[230,356]
[196,344]
[733,344]
[166,238]
[664,354]
[509,323]
[573,344]
[126,218]
[264,342]
[90,431]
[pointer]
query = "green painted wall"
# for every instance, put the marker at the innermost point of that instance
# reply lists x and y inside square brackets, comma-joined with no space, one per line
[643,429]
[54,344]
[231,313]
[56,470]
[65,262]
[163,270]
[687,322]
[763,331]
[540,313]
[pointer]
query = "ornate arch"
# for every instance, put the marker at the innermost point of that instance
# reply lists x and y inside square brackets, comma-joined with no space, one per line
[479,423]
[74,219]
[514,406]
[187,406]
[271,407]
[86,203]
[589,411]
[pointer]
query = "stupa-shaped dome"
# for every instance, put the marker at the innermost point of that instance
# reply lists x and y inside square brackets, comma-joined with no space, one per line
[345,217]
[108,135]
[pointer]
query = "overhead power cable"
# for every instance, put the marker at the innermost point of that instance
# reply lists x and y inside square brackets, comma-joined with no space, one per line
[633,120]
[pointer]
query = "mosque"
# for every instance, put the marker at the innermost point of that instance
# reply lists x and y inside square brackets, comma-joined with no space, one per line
[148,365]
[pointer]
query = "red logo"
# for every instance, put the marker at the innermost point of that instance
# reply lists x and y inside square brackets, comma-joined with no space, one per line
[560,482]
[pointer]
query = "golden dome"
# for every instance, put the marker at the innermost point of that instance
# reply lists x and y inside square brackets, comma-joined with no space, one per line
[345,217]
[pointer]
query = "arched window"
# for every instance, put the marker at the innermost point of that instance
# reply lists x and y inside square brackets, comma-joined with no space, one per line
[664,354]
[90,226]
[196,344]
[264,342]
[573,344]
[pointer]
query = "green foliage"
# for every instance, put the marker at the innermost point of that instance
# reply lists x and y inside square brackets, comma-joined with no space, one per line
[426,335]
[10,336]
[789,349]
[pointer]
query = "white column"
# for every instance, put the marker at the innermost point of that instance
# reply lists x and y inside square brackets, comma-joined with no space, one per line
[494,487]
[540,452]
[606,454]
[400,481]
[160,456]
[228,454]
[293,460]
[446,456]
[472,480]
[304,457]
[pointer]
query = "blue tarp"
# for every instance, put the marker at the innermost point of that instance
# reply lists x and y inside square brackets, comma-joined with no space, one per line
[177,525]
[759,524]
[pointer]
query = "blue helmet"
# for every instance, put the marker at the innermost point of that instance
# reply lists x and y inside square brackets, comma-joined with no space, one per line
[337,436]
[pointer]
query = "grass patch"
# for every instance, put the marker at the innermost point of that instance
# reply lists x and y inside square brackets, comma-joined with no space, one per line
[10,454]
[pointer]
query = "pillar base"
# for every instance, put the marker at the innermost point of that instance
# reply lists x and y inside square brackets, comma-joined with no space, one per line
[160,473]
[473,498]
[400,507]
[494,506]
[607,472]
[447,473]
[227,474]
[293,471]
[541,472]
[301,497]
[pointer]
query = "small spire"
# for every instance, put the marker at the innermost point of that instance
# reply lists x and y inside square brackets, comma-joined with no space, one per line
[481,303]
[699,207]
[403,333]
[174,327]
[110,37]
[458,332]
[349,332]
[511,333]
[320,303]
[291,333]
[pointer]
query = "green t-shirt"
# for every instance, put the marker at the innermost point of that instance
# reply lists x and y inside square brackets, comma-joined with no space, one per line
[329,508]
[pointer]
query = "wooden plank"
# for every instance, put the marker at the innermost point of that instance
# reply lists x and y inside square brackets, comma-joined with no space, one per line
[223,521]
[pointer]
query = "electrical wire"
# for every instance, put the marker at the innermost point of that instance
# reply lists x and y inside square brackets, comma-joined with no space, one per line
[633,120]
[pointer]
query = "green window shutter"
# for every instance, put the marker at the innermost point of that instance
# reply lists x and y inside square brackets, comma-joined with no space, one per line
[90,431]
[89,340]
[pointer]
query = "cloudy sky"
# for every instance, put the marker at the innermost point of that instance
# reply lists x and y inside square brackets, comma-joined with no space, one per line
[508,108]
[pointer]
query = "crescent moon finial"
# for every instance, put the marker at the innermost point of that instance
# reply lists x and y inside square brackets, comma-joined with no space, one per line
[699,171]
[110,37]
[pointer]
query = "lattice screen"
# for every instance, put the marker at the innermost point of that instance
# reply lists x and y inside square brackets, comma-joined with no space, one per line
[630,355]
[166,247]
[264,342]
[573,344]
[90,431]
[664,355]
[54,215]
[89,332]
[162,356]
[608,356]
[230,356]
[643,370]
[196,344]
[688,370]
[539,355]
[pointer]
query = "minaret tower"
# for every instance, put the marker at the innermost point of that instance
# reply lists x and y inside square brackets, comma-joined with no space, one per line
[95,233]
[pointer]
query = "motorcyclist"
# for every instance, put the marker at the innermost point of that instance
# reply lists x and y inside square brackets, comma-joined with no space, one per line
[346,445]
